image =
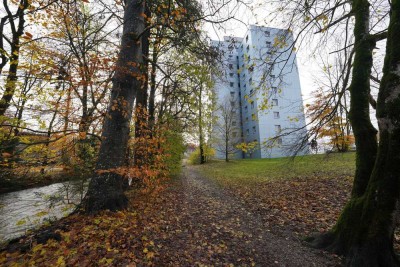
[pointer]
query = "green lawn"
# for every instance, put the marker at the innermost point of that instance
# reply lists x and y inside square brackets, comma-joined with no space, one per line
[261,170]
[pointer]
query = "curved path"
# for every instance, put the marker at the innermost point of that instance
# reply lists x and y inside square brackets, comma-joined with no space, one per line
[204,225]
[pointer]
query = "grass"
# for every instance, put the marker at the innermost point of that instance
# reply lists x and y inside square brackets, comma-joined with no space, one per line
[264,170]
[300,196]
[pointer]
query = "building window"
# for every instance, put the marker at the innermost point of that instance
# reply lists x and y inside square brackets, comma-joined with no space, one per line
[253,117]
[232,103]
[231,83]
[274,102]
[250,80]
[247,38]
[251,92]
[248,132]
[268,44]
[233,123]
[251,69]
[231,66]
[252,104]
[247,119]
[245,108]
[267,33]
[276,115]
[231,74]
[274,90]
[254,129]
[279,141]
[278,128]
[248,48]
[272,76]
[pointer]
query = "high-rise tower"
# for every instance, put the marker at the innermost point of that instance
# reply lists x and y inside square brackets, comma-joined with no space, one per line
[258,90]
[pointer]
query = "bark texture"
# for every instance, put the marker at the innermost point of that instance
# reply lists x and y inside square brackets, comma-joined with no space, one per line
[106,187]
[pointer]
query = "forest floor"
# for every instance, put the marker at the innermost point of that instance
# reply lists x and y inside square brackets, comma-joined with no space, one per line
[194,222]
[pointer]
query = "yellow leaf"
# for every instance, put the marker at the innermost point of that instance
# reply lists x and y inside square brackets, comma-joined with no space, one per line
[60,261]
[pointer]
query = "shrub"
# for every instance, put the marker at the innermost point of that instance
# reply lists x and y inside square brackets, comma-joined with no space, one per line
[194,158]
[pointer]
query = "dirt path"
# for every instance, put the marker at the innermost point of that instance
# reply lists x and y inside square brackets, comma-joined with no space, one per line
[203,225]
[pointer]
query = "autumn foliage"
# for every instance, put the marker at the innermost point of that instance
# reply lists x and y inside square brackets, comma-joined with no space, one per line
[331,120]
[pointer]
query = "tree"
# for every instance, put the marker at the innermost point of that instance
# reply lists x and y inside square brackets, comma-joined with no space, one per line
[364,231]
[369,219]
[15,16]
[79,33]
[106,187]
[333,120]
[366,226]
[227,131]
[17,30]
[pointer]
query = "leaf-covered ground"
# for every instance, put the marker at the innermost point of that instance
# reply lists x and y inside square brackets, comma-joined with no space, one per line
[195,222]
[299,197]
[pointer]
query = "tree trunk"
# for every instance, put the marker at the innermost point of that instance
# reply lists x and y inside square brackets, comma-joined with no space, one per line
[153,86]
[374,238]
[142,95]
[226,147]
[338,240]
[201,135]
[11,81]
[364,131]
[106,187]
[364,232]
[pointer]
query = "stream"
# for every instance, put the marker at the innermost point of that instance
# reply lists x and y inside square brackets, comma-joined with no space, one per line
[28,209]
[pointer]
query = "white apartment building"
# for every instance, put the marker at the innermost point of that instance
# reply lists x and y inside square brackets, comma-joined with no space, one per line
[259,79]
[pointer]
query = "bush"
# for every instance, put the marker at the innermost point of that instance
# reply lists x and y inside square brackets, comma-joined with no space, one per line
[174,149]
[194,158]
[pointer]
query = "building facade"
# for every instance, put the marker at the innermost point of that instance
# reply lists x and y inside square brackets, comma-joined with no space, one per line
[258,95]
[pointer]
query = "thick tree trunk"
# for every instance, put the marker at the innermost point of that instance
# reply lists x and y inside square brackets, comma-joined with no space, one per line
[364,233]
[106,187]
[364,131]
